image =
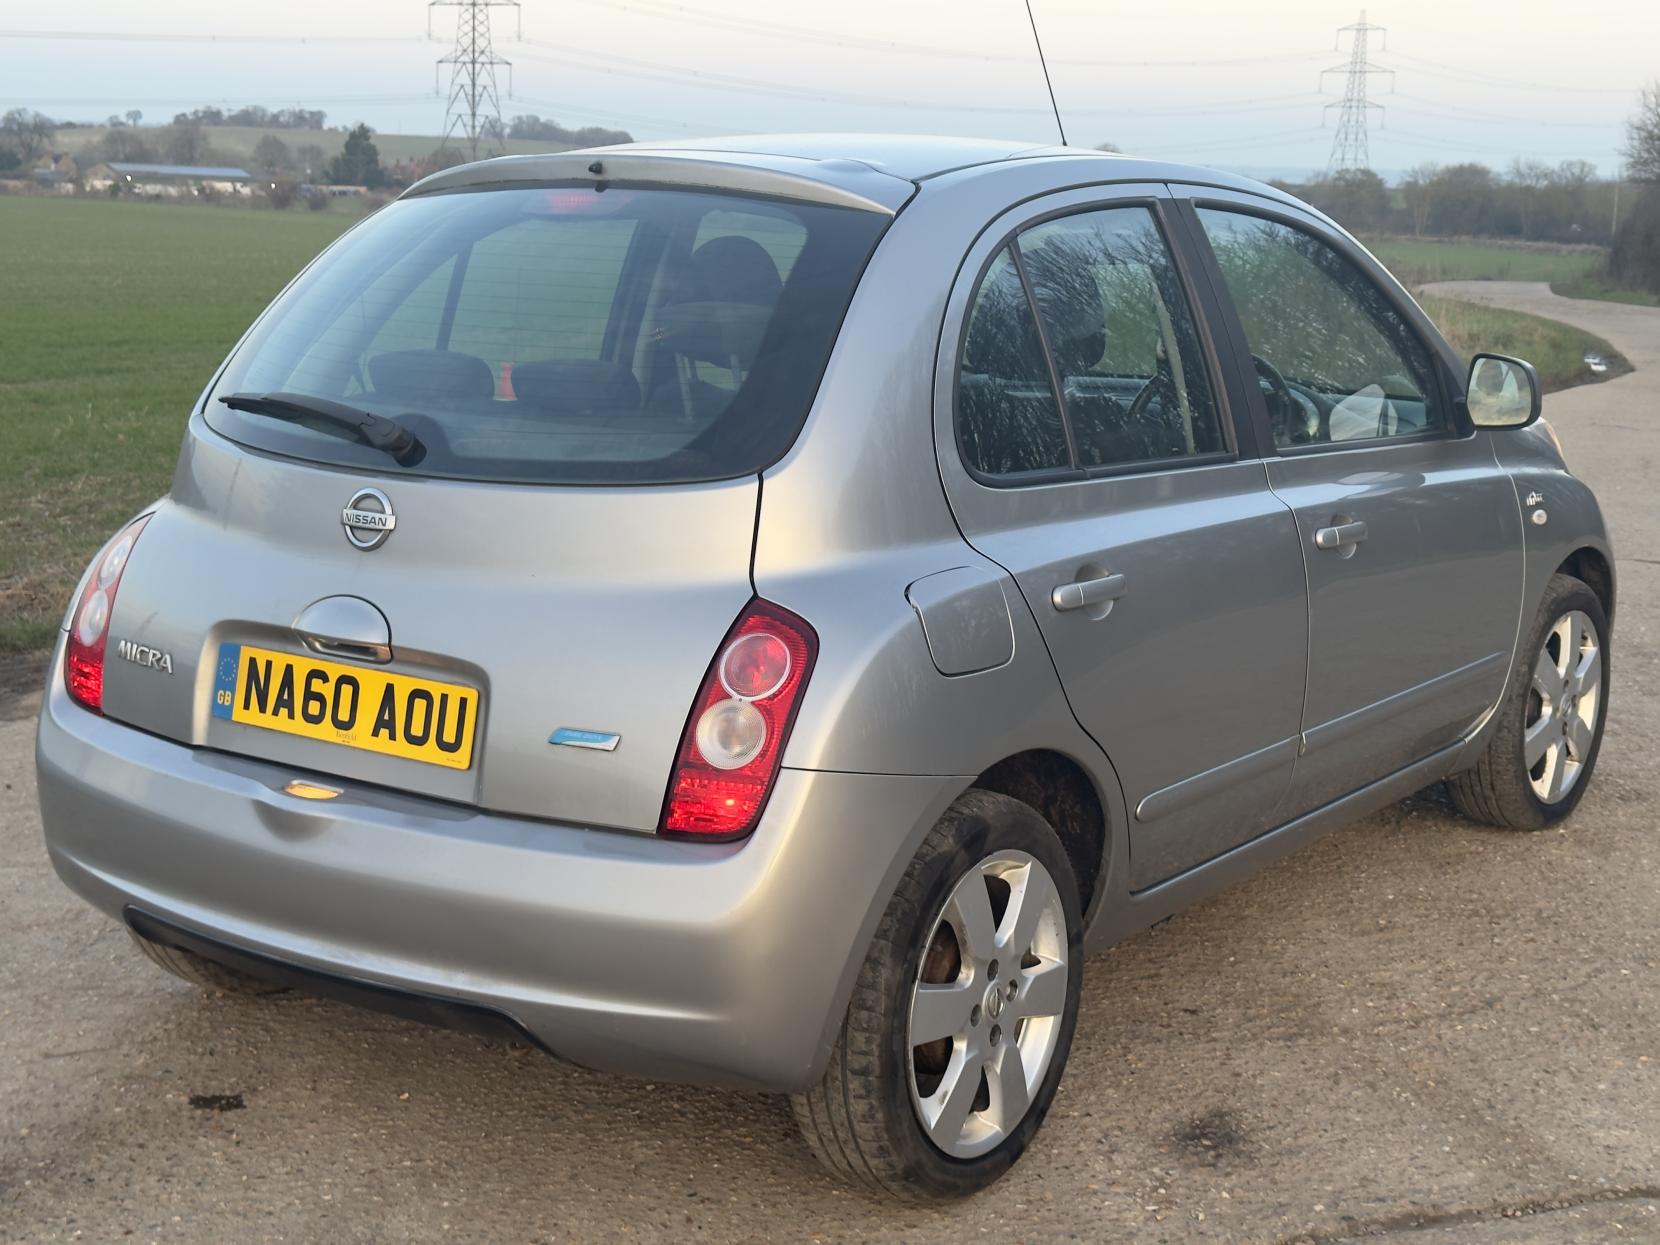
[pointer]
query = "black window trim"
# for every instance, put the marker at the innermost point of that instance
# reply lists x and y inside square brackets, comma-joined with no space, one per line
[1210,358]
[1190,198]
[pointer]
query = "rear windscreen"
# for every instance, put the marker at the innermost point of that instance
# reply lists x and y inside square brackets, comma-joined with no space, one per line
[561,334]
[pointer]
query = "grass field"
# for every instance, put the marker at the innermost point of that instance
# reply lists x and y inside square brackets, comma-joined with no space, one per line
[114,317]
[1573,272]
[238,142]
[1557,350]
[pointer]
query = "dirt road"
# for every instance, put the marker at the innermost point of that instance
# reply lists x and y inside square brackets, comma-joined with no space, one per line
[1417,1029]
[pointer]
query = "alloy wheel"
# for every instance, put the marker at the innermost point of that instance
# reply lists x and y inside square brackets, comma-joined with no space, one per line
[988,1002]
[1563,704]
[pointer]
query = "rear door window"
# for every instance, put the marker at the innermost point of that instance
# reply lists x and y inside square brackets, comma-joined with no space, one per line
[1082,353]
[563,334]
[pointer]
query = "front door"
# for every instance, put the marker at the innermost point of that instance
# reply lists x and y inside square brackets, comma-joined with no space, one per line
[1086,448]
[1409,529]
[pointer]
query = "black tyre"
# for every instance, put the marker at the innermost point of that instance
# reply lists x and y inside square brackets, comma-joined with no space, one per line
[963,1012]
[199,971]
[1539,760]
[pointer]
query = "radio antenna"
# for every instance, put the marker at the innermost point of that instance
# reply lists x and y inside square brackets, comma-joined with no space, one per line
[1045,65]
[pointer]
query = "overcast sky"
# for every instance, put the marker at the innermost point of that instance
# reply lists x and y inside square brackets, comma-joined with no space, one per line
[1214,81]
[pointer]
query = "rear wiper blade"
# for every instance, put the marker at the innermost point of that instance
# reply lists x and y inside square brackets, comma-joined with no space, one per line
[377,431]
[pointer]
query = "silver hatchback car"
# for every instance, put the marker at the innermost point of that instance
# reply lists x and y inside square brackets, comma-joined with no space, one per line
[761,612]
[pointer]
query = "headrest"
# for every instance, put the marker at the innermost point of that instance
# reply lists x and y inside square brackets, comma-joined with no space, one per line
[723,302]
[441,374]
[576,386]
[729,269]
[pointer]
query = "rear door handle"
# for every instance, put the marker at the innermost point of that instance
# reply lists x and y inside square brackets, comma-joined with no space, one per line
[1340,535]
[1085,592]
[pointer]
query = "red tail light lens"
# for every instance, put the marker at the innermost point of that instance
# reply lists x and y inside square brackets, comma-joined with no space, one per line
[89,625]
[740,721]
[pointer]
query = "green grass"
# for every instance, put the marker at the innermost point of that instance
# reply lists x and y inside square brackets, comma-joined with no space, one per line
[237,141]
[114,316]
[1557,350]
[1573,272]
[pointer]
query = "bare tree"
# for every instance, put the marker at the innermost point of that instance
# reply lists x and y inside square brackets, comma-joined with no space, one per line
[1416,193]
[1642,150]
[27,133]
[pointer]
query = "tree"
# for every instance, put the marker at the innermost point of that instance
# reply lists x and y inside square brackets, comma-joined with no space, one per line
[358,163]
[529,125]
[125,144]
[1642,148]
[1110,148]
[134,116]
[1527,179]
[1461,199]
[1416,192]
[311,161]
[271,155]
[1358,199]
[186,144]
[27,133]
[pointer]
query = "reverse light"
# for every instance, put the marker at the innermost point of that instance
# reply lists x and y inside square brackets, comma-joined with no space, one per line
[734,738]
[83,666]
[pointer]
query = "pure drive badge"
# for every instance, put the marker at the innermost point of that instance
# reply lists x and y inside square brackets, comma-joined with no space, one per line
[368,518]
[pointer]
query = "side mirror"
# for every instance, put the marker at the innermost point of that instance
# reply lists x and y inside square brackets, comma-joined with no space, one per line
[1503,392]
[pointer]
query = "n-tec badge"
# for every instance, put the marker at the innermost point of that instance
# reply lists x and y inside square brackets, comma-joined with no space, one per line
[368,518]
[144,655]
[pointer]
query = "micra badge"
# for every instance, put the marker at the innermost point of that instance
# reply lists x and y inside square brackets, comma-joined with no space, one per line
[144,655]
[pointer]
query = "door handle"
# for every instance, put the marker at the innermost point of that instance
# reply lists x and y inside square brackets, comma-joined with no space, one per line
[1340,535]
[1085,592]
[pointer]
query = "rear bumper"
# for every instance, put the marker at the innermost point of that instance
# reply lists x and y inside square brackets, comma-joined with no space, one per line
[727,964]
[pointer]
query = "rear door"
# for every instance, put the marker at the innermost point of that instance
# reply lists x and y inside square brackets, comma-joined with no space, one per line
[517,613]
[1409,529]
[1086,446]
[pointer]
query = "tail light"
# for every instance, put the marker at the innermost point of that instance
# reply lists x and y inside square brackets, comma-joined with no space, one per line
[740,721]
[89,625]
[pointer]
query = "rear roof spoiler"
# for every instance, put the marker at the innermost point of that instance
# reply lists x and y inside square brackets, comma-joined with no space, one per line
[840,183]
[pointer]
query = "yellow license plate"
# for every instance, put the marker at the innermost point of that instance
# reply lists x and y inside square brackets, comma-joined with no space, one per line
[358,706]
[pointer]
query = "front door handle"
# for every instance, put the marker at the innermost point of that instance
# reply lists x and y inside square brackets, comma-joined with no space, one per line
[1340,535]
[1085,592]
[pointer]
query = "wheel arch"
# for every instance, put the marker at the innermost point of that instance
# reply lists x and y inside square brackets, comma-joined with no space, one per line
[1592,567]
[1062,792]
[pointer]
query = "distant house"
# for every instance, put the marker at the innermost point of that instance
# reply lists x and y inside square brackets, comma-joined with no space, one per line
[57,172]
[167,180]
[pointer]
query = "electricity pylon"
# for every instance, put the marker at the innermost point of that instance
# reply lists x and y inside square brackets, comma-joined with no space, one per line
[1348,148]
[474,106]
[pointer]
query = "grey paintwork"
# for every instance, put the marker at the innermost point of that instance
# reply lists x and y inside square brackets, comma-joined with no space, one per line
[601,609]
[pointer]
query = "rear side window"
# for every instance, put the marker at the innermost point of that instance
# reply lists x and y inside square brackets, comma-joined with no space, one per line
[562,335]
[1097,296]
[1007,415]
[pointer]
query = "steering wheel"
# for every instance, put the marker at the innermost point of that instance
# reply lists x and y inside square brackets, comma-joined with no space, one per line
[1285,413]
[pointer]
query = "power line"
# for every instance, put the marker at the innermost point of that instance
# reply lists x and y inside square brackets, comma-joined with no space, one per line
[129,36]
[474,106]
[659,9]
[1438,70]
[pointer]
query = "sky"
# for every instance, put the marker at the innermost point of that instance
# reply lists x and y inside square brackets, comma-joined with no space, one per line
[1219,83]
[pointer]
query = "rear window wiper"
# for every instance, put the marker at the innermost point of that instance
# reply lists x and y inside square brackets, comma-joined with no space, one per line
[377,431]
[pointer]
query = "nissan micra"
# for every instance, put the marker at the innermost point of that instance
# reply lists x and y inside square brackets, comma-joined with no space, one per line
[760,612]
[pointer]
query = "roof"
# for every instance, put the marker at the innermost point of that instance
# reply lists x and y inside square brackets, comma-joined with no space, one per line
[872,171]
[218,172]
